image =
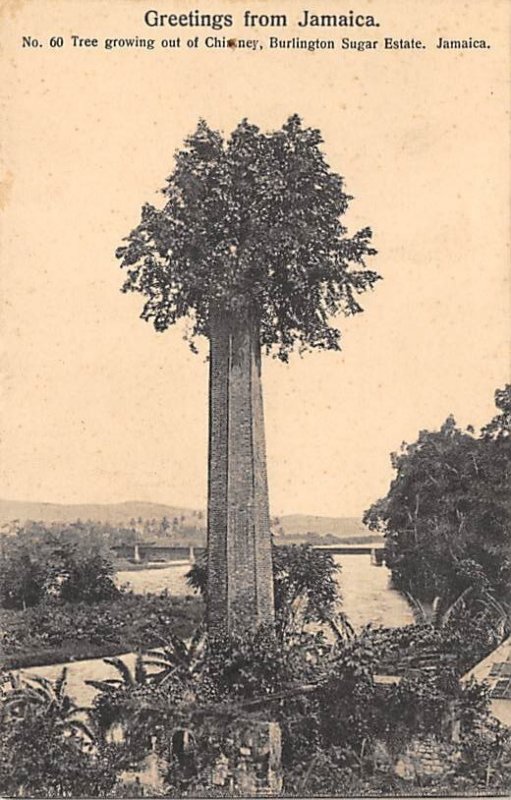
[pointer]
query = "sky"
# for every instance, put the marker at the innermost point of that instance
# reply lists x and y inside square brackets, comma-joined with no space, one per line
[98,407]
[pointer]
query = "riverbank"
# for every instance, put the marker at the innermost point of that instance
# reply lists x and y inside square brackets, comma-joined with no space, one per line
[123,565]
[58,633]
[72,652]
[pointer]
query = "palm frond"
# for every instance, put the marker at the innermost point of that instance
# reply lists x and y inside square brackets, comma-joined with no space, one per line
[159,662]
[455,606]
[60,683]
[343,631]
[178,647]
[123,668]
[418,611]
[501,610]
[40,680]
[140,670]
[106,685]
[436,616]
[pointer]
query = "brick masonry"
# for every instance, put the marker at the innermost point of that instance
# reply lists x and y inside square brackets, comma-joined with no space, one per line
[253,766]
[240,582]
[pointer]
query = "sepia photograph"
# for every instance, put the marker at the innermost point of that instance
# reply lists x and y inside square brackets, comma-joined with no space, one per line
[255,405]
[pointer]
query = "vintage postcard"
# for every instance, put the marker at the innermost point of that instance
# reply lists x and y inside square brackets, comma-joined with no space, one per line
[255,451]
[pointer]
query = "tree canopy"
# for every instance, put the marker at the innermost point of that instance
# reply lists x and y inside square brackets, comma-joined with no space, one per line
[251,222]
[447,515]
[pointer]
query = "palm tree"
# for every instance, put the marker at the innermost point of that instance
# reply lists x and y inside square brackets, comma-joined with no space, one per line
[479,600]
[35,694]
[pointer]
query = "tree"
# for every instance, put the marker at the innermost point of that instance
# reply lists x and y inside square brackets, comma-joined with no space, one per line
[499,429]
[250,248]
[85,576]
[447,515]
[306,587]
[22,577]
[40,565]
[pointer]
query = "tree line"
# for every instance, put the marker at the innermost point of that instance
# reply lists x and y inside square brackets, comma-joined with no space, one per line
[446,518]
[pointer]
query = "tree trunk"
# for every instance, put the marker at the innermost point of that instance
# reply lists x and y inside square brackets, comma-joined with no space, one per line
[240,577]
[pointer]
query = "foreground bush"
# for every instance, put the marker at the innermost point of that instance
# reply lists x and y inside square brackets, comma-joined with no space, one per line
[333,716]
[334,719]
[342,732]
[46,750]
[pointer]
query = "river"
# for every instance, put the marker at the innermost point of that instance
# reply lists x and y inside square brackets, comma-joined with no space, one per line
[367,597]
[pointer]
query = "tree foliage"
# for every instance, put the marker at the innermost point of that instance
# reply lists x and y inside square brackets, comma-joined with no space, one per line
[305,584]
[42,566]
[306,587]
[251,222]
[447,515]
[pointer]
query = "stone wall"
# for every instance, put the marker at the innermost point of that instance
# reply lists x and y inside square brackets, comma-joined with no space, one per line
[425,759]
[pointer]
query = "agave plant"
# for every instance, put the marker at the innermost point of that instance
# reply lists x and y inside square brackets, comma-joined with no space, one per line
[127,679]
[177,659]
[113,705]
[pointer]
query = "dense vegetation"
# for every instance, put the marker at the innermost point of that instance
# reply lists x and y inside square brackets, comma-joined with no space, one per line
[52,633]
[59,601]
[178,529]
[43,750]
[343,733]
[447,516]
[333,715]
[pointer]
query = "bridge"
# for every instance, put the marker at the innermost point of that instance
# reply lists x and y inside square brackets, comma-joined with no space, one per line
[144,552]
[376,551]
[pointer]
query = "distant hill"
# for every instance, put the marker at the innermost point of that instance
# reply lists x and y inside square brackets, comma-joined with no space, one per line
[113,513]
[289,528]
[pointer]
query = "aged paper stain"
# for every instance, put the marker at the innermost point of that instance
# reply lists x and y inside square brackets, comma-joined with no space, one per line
[5,189]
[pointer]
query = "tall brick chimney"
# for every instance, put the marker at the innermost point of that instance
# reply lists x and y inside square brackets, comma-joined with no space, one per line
[240,578]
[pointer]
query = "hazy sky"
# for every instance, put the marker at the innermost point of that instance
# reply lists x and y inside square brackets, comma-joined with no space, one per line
[96,406]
